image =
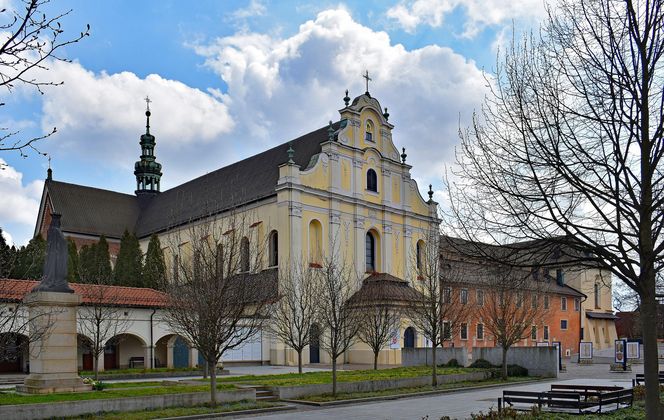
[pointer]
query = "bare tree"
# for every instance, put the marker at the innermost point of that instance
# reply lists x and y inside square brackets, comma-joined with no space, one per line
[439,310]
[570,145]
[513,303]
[30,40]
[219,295]
[296,310]
[336,282]
[18,325]
[378,322]
[100,318]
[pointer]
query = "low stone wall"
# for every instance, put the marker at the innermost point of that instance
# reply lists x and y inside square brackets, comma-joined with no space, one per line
[422,356]
[77,408]
[299,391]
[540,361]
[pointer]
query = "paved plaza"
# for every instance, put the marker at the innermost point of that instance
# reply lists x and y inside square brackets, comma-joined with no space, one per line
[457,404]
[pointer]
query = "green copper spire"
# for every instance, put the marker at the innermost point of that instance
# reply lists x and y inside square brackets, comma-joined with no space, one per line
[147,170]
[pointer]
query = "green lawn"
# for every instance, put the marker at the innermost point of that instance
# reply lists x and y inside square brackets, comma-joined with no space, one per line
[310,378]
[11,397]
[411,390]
[90,374]
[178,411]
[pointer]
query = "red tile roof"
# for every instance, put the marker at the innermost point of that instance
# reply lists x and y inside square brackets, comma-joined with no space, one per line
[15,290]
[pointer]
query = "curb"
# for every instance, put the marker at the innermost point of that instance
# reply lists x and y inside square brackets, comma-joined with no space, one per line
[232,413]
[409,395]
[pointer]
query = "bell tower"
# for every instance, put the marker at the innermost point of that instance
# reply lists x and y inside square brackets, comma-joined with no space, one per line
[147,170]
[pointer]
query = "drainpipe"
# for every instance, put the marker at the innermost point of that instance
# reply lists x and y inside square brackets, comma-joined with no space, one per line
[154,310]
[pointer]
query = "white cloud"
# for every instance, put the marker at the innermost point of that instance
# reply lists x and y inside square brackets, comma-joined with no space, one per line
[281,88]
[410,14]
[20,203]
[101,116]
[254,8]
[8,238]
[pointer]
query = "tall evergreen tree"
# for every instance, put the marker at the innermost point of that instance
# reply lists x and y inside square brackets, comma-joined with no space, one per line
[30,260]
[6,257]
[95,263]
[129,264]
[154,270]
[73,275]
[86,262]
[104,273]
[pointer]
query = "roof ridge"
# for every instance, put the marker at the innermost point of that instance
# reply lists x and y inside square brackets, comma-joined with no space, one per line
[89,187]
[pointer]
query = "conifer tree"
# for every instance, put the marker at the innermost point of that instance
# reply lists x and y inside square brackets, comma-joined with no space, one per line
[129,264]
[154,270]
[30,260]
[6,257]
[86,257]
[73,275]
[103,262]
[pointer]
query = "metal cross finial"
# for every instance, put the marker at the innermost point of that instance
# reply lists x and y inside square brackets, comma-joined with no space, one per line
[147,102]
[367,79]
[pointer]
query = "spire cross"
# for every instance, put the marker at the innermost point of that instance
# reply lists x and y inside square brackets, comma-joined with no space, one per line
[49,161]
[147,102]
[367,79]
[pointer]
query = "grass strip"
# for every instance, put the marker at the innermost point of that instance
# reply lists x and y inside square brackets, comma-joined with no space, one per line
[411,390]
[178,411]
[11,397]
[311,378]
[89,373]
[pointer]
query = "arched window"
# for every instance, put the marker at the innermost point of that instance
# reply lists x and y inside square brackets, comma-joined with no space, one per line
[409,338]
[372,180]
[368,133]
[274,249]
[419,251]
[315,242]
[370,252]
[244,254]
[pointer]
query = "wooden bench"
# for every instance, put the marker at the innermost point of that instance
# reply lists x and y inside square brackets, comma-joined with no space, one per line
[136,362]
[578,399]
[641,378]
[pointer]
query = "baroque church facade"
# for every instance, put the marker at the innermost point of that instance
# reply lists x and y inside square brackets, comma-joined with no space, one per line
[342,190]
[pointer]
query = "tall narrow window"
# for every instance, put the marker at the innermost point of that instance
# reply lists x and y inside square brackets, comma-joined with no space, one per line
[447,330]
[480,298]
[419,255]
[464,331]
[546,302]
[368,133]
[315,243]
[546,333]
[533,332]
[464,296]
[480,331]
[563,303]
[244,254]
[274,249]
[372,180]
[447,295]
[176,268]
[598,297]
[370,252]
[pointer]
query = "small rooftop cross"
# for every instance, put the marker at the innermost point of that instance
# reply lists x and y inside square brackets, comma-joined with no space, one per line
[147,102]
[367,79]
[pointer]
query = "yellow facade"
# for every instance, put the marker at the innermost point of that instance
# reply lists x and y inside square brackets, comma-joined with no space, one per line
[327,208]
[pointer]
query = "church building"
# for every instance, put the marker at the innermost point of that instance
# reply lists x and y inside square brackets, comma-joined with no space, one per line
[344,189]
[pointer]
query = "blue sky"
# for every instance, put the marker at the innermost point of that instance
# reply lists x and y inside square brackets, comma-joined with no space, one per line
[231,78]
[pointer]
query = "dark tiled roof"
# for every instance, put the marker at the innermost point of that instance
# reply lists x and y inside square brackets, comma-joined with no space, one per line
[92,210]
[95,211]
[243,182]
[600,315]
[15,290]
[383,287]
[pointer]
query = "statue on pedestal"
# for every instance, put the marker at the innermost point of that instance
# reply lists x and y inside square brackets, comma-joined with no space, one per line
[55,266]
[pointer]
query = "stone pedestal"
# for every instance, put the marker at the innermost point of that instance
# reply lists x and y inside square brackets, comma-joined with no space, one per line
[53,357]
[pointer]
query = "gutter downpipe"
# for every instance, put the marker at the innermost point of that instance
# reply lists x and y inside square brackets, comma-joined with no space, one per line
[154,311]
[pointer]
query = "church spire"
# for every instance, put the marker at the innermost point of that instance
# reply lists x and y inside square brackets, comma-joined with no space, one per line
[147,170]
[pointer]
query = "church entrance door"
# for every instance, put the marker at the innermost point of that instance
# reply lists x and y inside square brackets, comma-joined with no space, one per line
[409,338]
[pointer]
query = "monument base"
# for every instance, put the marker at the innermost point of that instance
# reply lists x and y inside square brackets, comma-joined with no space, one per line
[54,355]
[50,383]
